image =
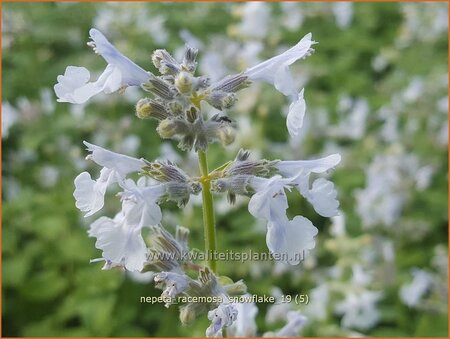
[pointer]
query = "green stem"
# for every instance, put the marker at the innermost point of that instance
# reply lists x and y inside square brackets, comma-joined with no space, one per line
[209,223]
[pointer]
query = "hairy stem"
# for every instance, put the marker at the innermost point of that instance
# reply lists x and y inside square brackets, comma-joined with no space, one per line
[209,223]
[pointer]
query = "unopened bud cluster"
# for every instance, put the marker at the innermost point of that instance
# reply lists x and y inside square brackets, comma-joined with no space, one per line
[177,94]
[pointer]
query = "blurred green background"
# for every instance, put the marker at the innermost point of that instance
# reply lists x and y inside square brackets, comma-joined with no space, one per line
[376,91]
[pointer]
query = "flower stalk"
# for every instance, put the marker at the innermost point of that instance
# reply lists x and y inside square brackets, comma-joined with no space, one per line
[209,223]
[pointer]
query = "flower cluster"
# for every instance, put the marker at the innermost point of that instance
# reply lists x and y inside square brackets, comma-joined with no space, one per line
[177,98]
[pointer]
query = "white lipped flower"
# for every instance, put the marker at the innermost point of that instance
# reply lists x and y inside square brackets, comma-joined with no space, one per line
[120,238]
[122,164]
[288,239]
[222,316]
[122,244]
[276,72]
[269,201]
[175,283]
[322,194]
[74,85]
[140,202]
[90,194]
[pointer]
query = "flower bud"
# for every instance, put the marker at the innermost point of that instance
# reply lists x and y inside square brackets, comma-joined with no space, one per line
[221,100]
[178,192]
[191,114]
[164,62]
[187,314]
[168,128]
[237,288]
[232,83]
[147,108]
[189,62]
[226,135]
[196,188]
[160,87]
[164,171]
[183,82]
[176,108]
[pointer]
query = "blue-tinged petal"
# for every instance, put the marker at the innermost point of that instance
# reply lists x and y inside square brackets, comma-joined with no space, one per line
[131,74]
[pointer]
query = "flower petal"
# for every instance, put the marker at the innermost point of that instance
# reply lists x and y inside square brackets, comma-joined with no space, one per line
[90,194]
[119,243]
[291,239]
[294,120]
[270,201]
[131,74]
[293,168]
[267,70]
[323,198]
[222,316]
[120,163]
[74,86]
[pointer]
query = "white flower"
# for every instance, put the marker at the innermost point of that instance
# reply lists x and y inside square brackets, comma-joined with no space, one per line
[255,20]
[121,243]
[322,195]
[359,310]
[74,85]
[294,120]
[245,324]
[222,316]
[290,239]
[9,118]
[287,239]
[175,284]
[90,194]
[343,12]
[120,238]
[122,164]
[411,293]
[269,202]
[139,203]
[276,70]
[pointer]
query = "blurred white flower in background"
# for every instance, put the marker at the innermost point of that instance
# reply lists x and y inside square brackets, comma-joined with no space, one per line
[255,19]
[412,293]
[9,117]
[343,13]
[359,310]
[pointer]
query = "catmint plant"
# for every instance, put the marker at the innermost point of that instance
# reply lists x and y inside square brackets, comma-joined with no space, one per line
[176,98]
